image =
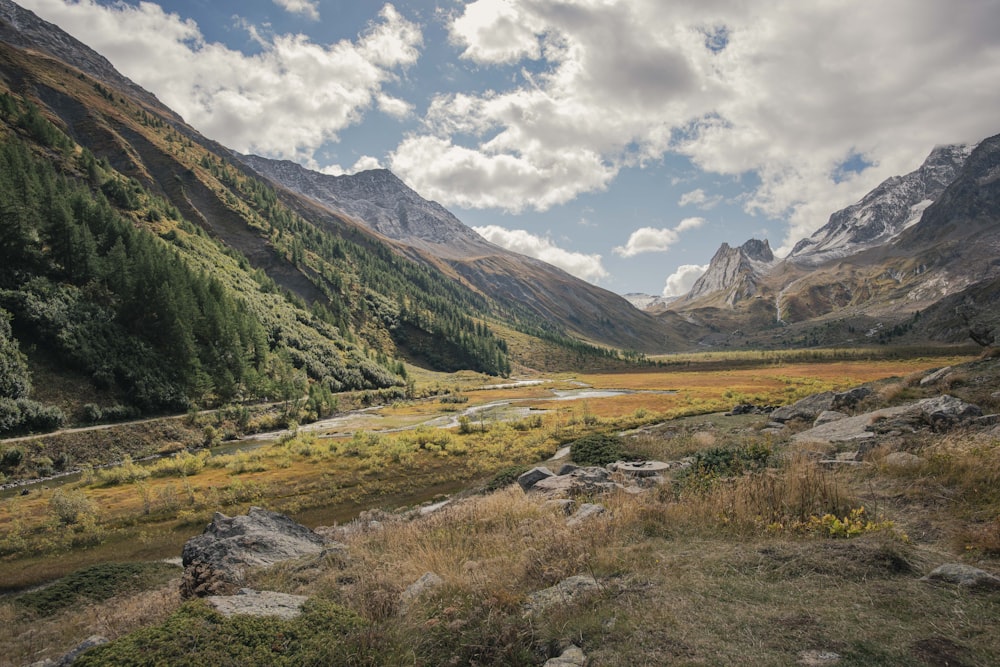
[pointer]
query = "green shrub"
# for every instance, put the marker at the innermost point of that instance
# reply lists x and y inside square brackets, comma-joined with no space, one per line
[197,635]
[597,449]
[96,583]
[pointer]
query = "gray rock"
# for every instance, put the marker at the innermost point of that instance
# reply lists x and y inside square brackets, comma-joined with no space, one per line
[69,658]
[528,479]
[808,408]
[937,375]
[566,592]
[427,582]
[215,561]
[567,468]
[963,575]
[828,416]
[904,460]
[586,511]
[946,410]
[850,398]
[815,658]
[571,657]
[580,481]
[249,602]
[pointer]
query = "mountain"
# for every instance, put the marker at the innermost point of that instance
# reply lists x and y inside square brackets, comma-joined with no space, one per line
[384,204]
[881,215]
[911,243]
[733,273]
[648,302]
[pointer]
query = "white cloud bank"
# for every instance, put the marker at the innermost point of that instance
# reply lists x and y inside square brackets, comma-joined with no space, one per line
[307,8]
[682,280]
[285,101]
[651,239]
[786,90]
[583,266]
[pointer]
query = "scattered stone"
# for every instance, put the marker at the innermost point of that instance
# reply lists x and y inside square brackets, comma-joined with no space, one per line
[249,602]
[564,505]
[528,479]
[851,397]
[571,657]
[750,409]
[567,468]
[565,592]
[935,376]
[818,658]
[215,561]
[904,460]
[586,511]
[561,453]
[428,581]
[946,410]
[963,575]
[828,416]
[78,650]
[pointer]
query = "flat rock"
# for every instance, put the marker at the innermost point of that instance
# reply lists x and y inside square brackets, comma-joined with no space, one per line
[586,511]
[249,602]
[571,657]
[640,468]
[828,416]
[935,376]
[965,576]
[528,480]
[215,561]
[818,658]
[588,480]
[566,592]
[807,408]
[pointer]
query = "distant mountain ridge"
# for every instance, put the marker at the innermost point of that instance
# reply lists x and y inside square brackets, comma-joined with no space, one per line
[913,241]
[896,204]
[381,202]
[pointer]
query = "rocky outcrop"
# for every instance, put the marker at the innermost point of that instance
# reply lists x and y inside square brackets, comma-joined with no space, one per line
[811,407]
[734,272]
[215,561]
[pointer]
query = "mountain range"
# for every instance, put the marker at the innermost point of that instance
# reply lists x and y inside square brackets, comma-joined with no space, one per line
[343,278]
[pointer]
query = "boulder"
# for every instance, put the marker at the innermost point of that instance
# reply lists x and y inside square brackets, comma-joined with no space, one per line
[588,480]
[566,592]
[528,479]
[935,376]
[965,576]
[249,602]
[850,398]
[640,468]
[571,657]
[586,511]
[945,411]
[78,650]
[807,409]
[828,416]
[215,561]
[904,460]
[427,582]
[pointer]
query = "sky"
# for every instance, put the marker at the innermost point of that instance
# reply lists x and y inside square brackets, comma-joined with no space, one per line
[621,140]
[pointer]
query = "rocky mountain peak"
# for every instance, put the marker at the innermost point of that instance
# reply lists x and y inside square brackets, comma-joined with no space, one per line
[895,205]
[734,271]
[381,201]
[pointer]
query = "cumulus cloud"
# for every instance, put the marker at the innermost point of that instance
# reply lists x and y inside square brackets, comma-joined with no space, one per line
[651,239]
[583,266]
[285,101]
[786,92]
[682,280]
[307,8]
[698,198]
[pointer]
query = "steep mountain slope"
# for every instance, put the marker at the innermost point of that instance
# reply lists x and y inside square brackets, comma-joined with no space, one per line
[896,204]
[383,203]
[733,273]
[328,298]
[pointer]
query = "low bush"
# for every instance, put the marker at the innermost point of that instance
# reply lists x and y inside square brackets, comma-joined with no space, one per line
[96,583]
[598,450]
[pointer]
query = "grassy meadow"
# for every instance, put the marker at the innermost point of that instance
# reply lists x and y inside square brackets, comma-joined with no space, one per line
[761,555]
